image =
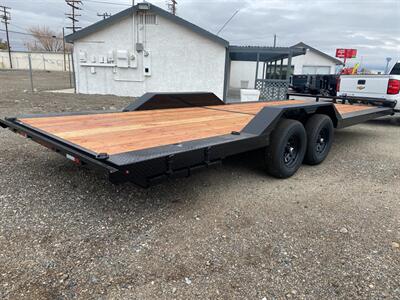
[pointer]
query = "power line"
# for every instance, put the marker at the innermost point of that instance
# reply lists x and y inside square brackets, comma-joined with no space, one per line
[226,23]
[6,19]
[74,4]
[19,27]
[31,34]
[107,2]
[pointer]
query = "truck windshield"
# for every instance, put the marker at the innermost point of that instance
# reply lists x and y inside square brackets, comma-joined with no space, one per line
[396,69]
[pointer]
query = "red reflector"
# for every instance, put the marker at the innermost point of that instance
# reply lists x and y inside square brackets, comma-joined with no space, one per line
[393,87]
[338,84]
[73,158]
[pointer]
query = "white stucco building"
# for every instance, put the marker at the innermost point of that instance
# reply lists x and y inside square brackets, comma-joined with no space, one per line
[314,62]
[146,49]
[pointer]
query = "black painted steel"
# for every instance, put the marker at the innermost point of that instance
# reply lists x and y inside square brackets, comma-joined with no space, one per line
[56,145]
[22,127]
[291,151]
[175,100]
[149,166]
[322,140]
[358,117]
[349,99]
[265,121]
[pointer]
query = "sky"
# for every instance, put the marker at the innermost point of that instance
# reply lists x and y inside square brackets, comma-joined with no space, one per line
[370,26]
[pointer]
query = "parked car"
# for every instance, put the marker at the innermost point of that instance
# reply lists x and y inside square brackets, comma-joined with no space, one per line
[372,86]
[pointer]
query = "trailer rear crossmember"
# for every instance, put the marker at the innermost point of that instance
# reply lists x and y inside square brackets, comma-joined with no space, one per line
[161,136]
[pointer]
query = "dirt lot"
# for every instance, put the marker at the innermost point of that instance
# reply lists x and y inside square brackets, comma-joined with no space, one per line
[330,232]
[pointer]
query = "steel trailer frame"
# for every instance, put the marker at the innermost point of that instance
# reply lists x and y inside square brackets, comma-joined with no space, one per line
[149,166]
[348,99]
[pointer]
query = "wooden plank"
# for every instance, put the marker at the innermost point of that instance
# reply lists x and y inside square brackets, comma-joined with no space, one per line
[346,108]
[128,131]
[153,136]
[132,119]
[140,115]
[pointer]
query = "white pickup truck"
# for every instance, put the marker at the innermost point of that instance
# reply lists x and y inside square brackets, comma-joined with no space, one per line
[372,86]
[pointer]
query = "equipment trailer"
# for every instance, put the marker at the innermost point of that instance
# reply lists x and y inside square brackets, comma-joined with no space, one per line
[173,135]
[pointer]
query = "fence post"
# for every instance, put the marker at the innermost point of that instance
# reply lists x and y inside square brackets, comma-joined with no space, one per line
[30,70]
[69,71]
[73,70]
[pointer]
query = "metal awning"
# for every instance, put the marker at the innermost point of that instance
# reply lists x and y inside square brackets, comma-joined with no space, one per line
[272,79]
[264,54]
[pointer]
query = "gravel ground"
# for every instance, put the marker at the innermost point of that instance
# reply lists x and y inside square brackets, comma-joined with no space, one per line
[330,232]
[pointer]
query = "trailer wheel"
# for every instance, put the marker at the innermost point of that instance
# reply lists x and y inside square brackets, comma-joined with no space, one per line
[320,133]
[286,151]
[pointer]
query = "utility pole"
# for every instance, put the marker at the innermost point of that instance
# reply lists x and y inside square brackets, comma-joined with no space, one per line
[74,4]
[171,4]
[6,17]
[274,40]
[104,15]
[63,41]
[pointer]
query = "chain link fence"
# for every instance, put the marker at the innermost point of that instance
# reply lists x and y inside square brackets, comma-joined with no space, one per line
[33,67]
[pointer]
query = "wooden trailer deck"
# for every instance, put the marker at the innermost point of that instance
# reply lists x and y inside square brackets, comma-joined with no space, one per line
[115,133]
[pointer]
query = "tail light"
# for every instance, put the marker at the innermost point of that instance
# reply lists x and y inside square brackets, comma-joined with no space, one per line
[338,84]
[393,87]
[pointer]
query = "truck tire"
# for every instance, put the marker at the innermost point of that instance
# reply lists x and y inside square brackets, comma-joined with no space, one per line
[320,133]
[288,144]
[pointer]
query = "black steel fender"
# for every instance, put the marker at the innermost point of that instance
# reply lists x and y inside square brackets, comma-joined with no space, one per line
[266,120]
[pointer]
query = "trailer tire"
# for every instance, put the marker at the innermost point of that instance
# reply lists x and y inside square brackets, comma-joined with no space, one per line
[287,149]
[320,133]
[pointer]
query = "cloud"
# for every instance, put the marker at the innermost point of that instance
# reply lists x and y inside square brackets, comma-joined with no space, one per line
[371,26]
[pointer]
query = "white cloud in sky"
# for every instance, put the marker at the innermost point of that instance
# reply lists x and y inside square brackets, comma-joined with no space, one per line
[371,26]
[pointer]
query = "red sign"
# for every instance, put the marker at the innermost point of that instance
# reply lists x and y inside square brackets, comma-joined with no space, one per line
[351,53]
[346,53]
[341,53]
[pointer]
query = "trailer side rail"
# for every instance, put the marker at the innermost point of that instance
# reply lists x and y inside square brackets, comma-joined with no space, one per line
[350,100]
[150,165]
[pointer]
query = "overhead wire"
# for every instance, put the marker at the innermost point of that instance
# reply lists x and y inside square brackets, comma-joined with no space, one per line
[31,34]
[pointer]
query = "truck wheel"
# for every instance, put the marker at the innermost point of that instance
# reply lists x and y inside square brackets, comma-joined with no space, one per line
[320,132]
[287,148]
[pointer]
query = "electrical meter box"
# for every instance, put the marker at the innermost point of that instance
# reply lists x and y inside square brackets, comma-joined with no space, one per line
[82,56]
[122,59]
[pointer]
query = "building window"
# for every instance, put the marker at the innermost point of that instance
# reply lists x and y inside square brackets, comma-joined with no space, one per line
[272,73]
[148,19]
